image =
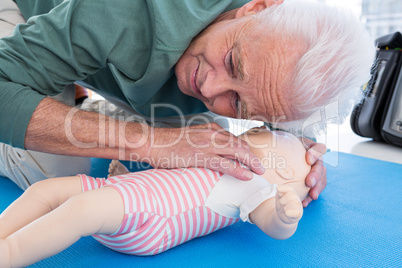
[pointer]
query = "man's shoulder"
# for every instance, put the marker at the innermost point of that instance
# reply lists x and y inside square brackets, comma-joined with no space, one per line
[177,22]
[36,7]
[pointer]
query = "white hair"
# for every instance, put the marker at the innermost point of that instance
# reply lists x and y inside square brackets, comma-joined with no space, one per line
[336,63]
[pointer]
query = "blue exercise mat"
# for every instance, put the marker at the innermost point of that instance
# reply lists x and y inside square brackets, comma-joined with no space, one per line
[357,222]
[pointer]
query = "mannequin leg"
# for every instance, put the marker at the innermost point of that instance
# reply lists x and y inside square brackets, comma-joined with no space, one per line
[97,211]
[39,199]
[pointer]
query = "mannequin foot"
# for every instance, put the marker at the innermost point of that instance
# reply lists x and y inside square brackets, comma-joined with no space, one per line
[116,168]
[81,94]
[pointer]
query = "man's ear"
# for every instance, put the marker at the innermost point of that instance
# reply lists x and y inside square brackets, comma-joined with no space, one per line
[255,6]
[286,173]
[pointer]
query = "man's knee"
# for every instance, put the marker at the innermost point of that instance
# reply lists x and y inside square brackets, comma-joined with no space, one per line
[27,167]
[10,16]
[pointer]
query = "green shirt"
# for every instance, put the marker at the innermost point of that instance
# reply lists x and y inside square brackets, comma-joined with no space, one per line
[126,49]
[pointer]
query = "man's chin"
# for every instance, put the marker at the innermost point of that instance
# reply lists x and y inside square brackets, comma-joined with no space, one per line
[187,92]
[181,87]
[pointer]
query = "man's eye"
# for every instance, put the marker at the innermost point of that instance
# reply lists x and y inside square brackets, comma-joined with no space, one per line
[237,104]
[231,61]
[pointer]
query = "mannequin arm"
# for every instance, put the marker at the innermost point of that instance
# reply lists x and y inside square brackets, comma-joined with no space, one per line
[97,211]
[278,217]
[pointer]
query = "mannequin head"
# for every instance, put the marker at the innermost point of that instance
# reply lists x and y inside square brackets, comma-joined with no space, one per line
[283,157]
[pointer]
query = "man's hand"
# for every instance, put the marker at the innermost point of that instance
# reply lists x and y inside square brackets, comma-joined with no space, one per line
[288,204]
[317,178]
[206,145]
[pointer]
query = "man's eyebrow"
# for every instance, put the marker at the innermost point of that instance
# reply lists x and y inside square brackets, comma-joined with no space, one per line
[239,61]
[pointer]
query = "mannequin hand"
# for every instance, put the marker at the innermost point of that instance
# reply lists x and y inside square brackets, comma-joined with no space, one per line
[288,204]
[317,178]
[207,146]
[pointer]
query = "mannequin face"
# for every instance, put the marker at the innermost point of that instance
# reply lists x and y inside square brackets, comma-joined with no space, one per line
[283,157]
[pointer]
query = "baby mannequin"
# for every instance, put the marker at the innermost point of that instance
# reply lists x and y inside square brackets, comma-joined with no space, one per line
[148,212]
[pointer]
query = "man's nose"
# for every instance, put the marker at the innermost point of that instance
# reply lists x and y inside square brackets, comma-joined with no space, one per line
[215,85]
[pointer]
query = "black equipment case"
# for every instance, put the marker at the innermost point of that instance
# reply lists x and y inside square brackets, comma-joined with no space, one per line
[379,114]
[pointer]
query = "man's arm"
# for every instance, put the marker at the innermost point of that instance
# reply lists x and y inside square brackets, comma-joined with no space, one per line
[61,129]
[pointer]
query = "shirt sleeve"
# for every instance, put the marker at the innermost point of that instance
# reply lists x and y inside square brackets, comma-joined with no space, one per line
[47,53]
[255,199]
[72,42]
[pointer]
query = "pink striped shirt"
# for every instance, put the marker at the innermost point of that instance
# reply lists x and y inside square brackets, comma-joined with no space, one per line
[163,209]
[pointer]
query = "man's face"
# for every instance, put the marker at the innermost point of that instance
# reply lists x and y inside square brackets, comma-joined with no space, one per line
[239,71]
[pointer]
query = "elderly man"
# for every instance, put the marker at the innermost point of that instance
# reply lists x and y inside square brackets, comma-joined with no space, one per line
[141,53]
